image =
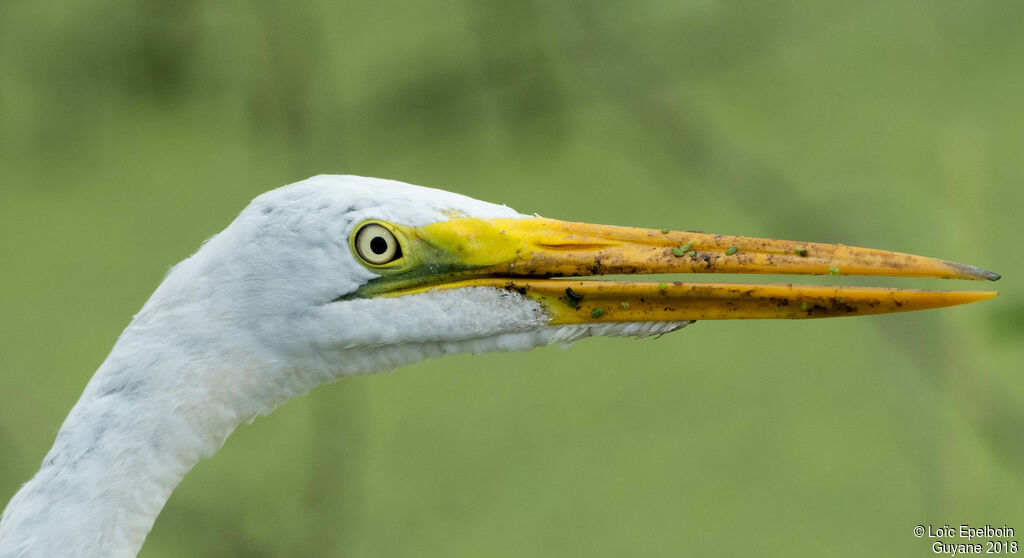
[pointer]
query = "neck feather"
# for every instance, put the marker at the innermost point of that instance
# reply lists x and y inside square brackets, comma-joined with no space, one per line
[140,426]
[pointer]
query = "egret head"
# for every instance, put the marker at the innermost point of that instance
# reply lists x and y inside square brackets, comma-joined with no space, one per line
[345,274]
[356,274]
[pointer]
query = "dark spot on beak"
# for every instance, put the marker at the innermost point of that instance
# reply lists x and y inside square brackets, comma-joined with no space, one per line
[510,286]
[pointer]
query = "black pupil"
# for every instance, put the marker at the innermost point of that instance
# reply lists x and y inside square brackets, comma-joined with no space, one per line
[378,245]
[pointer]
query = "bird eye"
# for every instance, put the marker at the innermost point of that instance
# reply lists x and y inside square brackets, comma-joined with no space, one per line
[376,245]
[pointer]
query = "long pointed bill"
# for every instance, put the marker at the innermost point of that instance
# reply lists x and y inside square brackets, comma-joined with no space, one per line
[524,254]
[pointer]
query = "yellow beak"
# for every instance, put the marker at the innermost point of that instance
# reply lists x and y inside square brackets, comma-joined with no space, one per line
[523,255]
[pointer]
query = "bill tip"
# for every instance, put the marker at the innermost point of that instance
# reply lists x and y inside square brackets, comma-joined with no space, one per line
[971,272]
[986,274]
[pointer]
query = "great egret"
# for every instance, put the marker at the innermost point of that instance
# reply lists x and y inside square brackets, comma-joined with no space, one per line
[340,275]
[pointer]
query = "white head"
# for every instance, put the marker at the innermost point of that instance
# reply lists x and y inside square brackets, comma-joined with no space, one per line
[278,290]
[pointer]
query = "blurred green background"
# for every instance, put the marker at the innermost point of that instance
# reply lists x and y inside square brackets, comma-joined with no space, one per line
[130,132]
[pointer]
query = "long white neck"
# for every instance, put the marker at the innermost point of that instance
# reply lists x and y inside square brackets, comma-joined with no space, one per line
[178,381]
[120,453]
